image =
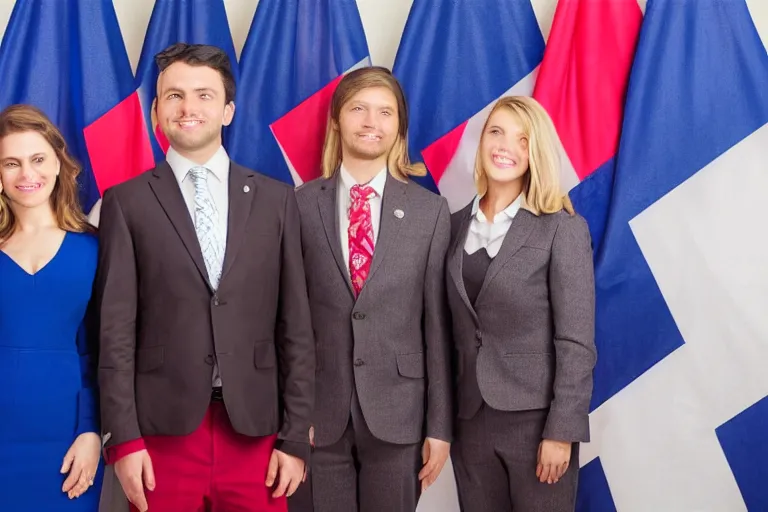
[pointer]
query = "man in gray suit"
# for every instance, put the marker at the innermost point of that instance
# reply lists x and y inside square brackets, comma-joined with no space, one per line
[374,248]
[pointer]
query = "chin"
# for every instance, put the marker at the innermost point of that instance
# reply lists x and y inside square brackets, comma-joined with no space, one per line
[30,202]
[370,154]
[190,143]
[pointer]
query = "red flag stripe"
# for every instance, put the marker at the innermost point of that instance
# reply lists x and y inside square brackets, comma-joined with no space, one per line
[583,77]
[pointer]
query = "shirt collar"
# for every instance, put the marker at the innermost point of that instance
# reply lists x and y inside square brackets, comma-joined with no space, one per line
[218,164]
[377,183]
[510,211]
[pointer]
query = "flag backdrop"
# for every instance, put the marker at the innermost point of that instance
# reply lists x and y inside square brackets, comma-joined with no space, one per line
[675,415]
[669,170]
[295,55]
[71,62]
[582,84]
[680,408]
[451,77]
[173,21]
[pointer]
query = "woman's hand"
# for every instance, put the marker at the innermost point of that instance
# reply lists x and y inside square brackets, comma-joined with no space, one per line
[554,457]
[81,462]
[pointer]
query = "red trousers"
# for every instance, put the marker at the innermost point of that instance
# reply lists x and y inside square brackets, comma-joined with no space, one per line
[213,469]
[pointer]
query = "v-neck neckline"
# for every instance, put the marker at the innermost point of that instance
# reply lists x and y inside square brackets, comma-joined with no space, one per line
[45,266]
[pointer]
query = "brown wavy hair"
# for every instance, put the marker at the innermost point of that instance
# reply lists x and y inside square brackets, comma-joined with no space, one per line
[398,162]
[64,200]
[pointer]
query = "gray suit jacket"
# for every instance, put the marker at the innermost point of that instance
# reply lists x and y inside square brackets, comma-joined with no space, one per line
[529,339]
[392,343]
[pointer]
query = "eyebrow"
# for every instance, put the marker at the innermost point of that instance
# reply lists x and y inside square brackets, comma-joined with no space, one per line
[199,89]
[386,106]
[22,158]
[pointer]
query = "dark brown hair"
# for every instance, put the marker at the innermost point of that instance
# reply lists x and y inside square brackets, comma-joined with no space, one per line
[200,55]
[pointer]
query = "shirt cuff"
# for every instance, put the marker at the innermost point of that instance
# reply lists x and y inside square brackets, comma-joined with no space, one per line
[118,451]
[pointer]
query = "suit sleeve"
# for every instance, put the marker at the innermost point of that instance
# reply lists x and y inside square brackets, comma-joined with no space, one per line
[295,340]
[572,296]
[437,333]
[117,289]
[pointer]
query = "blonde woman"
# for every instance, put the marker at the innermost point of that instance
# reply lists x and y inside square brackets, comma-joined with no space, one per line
[49,435]
[520,287]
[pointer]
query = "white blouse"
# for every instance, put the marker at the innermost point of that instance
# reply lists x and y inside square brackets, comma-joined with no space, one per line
[490,235]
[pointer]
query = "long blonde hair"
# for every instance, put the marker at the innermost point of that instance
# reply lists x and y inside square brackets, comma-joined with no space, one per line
[64,199]
[542,181]
[398,162]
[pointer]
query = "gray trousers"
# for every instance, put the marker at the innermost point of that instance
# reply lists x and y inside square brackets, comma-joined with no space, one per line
[494,457]
[361,473]
[112,496]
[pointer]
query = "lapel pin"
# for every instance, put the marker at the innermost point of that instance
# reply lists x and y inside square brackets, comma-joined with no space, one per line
[399,213]
[246,189]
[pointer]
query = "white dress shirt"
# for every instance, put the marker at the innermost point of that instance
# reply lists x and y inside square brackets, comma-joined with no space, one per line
[344,201]
[218,167]
[490,235]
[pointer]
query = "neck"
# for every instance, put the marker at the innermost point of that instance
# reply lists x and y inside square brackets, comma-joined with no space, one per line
[33,220]
[202,155]
[362,170]
[498,197]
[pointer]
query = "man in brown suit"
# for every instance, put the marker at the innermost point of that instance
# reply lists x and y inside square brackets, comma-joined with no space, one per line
[207,357]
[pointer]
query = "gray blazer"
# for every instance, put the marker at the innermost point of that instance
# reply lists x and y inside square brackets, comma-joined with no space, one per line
[529,339]
[392,343]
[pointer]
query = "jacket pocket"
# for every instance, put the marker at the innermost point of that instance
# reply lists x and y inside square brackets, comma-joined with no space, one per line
[149,358]
[264,355]
[411,365]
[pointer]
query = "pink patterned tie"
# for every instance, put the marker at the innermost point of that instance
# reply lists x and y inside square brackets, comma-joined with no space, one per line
[360,235]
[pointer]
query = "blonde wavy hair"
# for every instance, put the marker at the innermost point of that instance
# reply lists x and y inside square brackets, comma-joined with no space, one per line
[398,162]
[542,181]
[64,199]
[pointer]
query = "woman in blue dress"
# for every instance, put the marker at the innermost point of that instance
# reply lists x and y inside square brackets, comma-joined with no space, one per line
[49,419]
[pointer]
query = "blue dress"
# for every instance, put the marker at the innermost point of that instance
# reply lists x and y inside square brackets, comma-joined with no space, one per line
[47,377]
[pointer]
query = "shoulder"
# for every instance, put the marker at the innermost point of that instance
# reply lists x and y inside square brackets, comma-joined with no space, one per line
[567,229]
[427,208]
[458,217]
[86,243]
[129,187]
[312,187]
[424,196]
[570,222]
[132,185]
[307,192]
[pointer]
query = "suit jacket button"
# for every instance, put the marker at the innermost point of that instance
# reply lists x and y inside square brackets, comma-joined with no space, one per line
[358,316]
[479,338]
[209,359]
[215,300]
[359,362]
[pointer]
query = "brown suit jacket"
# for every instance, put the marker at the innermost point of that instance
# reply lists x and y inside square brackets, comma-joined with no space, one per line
[162,323]
[392,343]
[528,342]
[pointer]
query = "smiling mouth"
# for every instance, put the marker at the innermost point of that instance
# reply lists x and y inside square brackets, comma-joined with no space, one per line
[503,161]
[29,188]
[370,136]
[191,123]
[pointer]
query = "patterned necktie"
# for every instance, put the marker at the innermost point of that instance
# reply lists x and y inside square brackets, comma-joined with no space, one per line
[207,225]
[360,235]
